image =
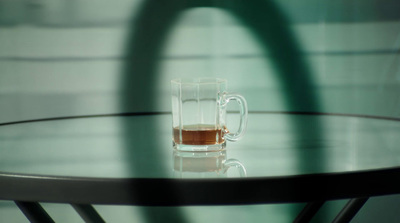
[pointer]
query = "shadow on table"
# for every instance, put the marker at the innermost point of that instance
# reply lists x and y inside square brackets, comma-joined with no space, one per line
[266,22]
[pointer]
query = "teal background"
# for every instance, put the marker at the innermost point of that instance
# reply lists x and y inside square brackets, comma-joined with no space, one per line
[77,57]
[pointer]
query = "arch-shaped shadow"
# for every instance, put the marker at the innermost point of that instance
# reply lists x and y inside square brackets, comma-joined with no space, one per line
[264,20]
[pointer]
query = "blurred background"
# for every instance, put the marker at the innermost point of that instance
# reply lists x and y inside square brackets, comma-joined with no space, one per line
[80,57]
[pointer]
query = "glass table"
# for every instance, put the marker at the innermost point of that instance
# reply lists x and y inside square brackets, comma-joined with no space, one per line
[127,159]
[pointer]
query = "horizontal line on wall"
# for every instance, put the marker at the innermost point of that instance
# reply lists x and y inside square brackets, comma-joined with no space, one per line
[196,57]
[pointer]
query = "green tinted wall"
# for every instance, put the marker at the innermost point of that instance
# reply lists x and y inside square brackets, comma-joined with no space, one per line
[63,57]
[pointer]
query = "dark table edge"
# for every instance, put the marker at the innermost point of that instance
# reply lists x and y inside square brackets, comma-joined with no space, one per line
[177,192]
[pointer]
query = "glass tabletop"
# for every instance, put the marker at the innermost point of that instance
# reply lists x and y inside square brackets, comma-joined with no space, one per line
[140,146]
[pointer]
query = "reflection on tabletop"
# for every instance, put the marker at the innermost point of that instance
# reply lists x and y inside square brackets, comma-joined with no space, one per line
[204,164]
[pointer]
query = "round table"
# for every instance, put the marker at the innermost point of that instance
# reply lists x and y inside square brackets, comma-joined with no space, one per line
[128,159]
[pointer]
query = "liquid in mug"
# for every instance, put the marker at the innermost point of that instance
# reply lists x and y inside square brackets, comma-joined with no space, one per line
[199,135]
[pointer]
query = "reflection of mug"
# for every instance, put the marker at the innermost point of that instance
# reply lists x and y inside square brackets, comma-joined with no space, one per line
[204,165]
[199,114]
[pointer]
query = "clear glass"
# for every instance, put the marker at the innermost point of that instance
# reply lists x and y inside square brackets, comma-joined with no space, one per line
[199,114]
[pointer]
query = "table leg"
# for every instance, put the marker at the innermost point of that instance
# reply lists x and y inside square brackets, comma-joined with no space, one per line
[350,210]
[87,213]
[34,211]
[308,212]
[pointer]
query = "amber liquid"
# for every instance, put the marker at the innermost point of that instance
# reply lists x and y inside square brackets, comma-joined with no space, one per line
[199,135]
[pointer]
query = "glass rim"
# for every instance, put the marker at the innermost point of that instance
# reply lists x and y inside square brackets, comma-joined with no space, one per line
[201,80]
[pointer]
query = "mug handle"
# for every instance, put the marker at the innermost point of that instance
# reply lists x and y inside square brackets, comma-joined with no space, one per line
[243,115]
[235,163]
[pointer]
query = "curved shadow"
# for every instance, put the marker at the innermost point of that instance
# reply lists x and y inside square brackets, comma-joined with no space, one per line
[265,21]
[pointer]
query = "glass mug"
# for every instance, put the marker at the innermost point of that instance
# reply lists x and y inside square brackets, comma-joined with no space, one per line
[199,114]
[205,165]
